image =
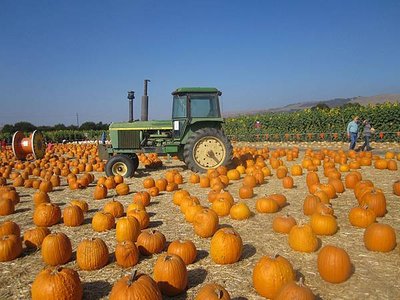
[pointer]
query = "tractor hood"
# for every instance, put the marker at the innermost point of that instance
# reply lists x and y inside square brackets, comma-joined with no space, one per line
[142,125]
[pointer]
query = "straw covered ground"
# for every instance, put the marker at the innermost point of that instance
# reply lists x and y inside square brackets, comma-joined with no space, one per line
[375,276]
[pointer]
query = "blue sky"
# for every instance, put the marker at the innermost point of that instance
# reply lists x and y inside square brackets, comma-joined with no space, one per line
[59,58]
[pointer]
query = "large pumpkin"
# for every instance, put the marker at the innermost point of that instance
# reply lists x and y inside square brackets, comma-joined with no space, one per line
[56,249]
[57,284]
[128,228]
[46,215]
[135,286]
[334,264]
[270,274]
[92,254]
[171,274]
[226,246]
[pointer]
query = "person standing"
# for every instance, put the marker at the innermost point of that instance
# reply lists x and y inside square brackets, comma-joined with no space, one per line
[352,132]
[367,131]
[103,137]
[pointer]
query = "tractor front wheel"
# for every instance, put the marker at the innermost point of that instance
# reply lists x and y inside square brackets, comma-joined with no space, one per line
[207,148]
[120,165]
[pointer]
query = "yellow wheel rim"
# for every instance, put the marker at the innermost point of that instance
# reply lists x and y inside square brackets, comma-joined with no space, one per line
[119,168]
[209,152]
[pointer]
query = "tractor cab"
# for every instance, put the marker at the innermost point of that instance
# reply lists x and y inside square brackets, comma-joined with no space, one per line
[191,105]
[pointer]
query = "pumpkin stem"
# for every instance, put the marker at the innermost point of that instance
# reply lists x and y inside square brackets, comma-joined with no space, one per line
[168,257]
[132,278]
[301,281]
[219,293]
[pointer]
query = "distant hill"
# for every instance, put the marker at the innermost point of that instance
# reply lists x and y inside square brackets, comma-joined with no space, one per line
[363,100]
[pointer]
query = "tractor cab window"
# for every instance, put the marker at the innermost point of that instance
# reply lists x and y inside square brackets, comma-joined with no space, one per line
[204,106]
[179,107]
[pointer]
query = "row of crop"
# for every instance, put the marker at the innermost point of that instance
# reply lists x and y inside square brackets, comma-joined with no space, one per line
[383,117]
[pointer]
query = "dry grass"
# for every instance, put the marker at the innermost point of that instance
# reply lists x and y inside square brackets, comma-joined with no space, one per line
[376,275]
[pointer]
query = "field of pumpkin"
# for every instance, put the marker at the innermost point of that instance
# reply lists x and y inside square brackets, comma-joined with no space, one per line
[280,223]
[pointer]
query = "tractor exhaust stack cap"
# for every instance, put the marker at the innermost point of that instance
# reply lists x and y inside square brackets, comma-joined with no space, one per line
[131,96]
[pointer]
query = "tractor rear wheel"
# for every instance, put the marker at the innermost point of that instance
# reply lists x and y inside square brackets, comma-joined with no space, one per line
[120,165]
[207,148]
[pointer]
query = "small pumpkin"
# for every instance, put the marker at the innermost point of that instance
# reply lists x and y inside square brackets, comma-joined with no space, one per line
[9,227]
[184,249]
[114,207]
[283,224]
[266,205]
[293,290]
[151,242]
[100,192]
[302,238]
[323,224]
[10,247]
[141,215]
[380,237]
[33,238]
[81,203]
[240,211]
[142,197]
[122,189]
[73,216]
[362,216]
[205,223]
[7,207]
[211,291]
[103,221]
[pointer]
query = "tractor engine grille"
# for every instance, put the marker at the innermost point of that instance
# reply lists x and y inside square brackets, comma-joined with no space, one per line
[128,139]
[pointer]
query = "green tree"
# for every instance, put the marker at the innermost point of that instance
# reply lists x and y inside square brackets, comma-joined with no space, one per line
[24,126]
[88,126]
[8,128]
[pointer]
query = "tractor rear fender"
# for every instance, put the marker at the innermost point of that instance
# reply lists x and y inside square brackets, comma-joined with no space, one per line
[199,124]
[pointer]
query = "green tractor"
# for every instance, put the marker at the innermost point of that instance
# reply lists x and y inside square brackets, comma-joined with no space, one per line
[194,134]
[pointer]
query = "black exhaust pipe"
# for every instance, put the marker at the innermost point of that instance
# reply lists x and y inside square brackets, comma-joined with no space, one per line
[131,96]
[145,102]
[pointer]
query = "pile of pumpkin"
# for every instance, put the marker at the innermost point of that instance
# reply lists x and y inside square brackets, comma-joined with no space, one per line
[273,277]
